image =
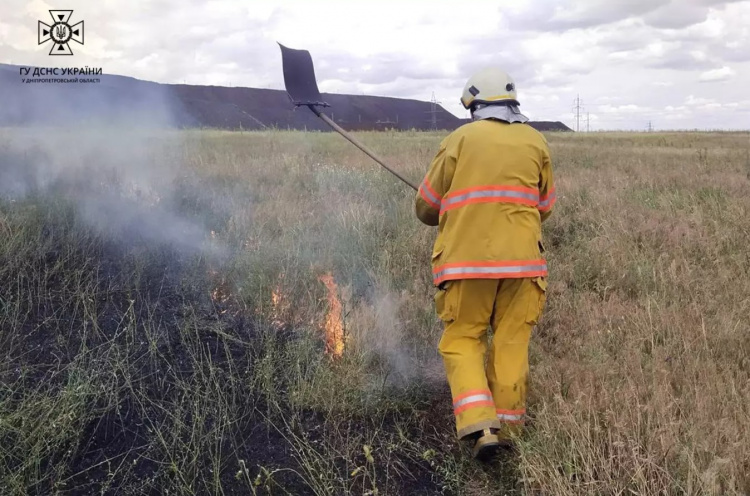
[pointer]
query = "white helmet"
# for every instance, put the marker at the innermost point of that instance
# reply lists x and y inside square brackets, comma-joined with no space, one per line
[489,86]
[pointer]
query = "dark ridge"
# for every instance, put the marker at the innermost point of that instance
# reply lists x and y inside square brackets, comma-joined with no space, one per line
[550,126]
[547,126]
[126,99]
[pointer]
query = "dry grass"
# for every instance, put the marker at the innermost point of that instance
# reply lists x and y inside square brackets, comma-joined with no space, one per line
[641,366]
[138,369]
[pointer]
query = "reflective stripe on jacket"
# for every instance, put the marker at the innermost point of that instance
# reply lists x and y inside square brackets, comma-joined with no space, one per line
[488,190]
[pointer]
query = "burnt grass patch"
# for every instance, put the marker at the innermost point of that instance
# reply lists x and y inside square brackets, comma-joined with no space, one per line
[122,373]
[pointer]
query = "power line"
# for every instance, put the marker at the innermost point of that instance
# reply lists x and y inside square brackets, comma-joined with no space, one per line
[251,117]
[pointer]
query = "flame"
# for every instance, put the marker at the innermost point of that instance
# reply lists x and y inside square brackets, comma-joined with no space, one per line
[278,304]
[334,327]
[221,295]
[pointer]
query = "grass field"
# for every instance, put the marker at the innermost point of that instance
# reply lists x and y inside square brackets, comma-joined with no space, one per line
[163,327]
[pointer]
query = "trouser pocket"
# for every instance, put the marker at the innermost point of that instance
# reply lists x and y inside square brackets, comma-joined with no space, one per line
[537,299]
[446,301]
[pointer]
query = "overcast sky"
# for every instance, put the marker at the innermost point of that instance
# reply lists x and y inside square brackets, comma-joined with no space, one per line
[678,63]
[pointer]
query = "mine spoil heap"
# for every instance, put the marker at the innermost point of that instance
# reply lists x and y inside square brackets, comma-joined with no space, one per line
[188,106]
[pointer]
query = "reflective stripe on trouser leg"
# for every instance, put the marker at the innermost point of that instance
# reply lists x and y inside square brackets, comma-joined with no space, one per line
[466,309]
[517,309]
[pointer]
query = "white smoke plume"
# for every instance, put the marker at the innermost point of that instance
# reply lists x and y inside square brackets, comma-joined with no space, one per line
[117,161]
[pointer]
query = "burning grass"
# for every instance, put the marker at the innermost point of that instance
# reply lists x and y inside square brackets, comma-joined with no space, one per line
[130,366]
[334,325]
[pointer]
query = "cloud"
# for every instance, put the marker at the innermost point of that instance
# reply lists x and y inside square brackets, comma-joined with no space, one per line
[665,55]
[723,74]
[383,69]
[650,54]
[694,101]
[676,15]
[630,108]
[563,15]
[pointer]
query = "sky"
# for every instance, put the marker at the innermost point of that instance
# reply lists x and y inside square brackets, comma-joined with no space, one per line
[676,64]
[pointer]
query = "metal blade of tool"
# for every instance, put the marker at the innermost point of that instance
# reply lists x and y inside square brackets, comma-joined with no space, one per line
[302,88]
[299,77]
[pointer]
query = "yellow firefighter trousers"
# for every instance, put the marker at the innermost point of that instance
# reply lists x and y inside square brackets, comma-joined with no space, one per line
[489,391]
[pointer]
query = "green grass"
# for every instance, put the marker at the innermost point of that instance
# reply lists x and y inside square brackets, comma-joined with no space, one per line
[137,358]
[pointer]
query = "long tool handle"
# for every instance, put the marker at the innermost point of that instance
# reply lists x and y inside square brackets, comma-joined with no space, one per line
[359,145]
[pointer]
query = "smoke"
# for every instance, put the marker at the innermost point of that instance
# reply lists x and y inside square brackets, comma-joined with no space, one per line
[116,159]
[380,331]
[390,339]
[379,319]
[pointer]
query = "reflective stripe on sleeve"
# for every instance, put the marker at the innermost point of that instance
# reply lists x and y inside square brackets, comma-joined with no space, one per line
[490,270]
[547,201]
[429,195]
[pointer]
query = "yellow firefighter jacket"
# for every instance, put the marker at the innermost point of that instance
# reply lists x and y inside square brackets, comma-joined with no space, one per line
[488,189]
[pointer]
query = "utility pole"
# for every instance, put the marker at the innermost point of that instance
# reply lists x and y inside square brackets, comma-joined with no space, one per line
[577,108]
[588,122]
[433,112]
[650,127]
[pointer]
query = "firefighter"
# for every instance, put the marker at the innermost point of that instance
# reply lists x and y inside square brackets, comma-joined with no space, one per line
[488,189]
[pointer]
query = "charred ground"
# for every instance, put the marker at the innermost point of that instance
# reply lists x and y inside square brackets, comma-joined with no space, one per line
[131,364]
[134,364]
[121,374]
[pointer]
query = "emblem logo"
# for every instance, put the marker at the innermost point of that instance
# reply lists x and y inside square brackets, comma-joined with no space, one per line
[61,33]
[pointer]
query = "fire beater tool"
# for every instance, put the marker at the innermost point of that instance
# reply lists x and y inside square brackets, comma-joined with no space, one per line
[299,79]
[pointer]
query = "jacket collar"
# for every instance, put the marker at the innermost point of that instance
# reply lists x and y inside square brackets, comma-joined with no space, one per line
[507,113]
